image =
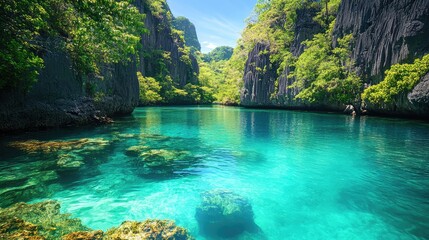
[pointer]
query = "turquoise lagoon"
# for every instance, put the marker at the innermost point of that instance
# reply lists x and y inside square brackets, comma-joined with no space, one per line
[306,175]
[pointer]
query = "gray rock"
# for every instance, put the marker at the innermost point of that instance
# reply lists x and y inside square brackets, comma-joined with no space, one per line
[386,32]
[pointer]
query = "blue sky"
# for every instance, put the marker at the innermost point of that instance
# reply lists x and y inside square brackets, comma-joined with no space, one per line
[218,22]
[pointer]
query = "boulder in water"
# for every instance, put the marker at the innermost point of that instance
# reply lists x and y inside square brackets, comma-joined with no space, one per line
[224,214]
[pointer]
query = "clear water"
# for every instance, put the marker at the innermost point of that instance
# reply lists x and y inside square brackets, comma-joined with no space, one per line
[306,175]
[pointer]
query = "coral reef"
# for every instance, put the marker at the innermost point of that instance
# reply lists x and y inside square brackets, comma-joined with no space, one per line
[224,214]
[149,229]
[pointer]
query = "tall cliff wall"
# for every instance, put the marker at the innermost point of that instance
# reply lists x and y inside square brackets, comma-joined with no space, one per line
[62,97]
[260,90]
[385,32]
[190,33]
[161,39]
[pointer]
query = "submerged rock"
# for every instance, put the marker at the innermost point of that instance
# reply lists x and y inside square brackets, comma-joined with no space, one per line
[70,161]
[35,146]
[43,220]
[224,214]
[161,157]
[135,151]
[15,228]
[37,221]
[94,235]
[25,184]
[149,229]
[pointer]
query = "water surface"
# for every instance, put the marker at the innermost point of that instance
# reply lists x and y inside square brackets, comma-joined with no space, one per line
[306,175]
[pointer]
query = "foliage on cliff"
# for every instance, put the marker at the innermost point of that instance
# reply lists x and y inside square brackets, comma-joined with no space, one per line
[223,75]
[190,35]
[92,32]
[170,68]
[324,72]
[399,79]
[219,54]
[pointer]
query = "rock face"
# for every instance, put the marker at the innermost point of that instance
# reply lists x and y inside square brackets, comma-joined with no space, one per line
[386,33]
[224,214]
[161,41]
[260,75]
[190,33]
[61,97]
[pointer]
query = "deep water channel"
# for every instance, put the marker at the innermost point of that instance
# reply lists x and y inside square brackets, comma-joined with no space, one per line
[305,175]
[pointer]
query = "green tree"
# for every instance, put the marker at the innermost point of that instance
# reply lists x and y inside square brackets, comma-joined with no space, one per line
[190,34]
[399,79]
[149,90]
[92,32]
[323,74]
[218,54]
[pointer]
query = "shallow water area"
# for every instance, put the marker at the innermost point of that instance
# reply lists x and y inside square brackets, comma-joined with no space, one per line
[306,175]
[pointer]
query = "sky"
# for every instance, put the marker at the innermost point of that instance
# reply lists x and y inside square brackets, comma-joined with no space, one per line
[218,22]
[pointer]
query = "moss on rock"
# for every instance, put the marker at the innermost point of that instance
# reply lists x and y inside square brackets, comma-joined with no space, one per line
[149,229]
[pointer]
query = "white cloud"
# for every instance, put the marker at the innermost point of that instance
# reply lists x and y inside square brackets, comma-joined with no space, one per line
[209,45]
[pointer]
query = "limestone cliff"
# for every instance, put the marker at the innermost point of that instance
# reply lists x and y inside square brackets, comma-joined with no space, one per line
[259,87]
[63,97]
[385,33]
[60,97]
[189,31]
[163,51]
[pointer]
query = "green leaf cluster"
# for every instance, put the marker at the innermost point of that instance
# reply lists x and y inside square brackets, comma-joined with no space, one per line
[150,90]
[190,35]
[92,32]
[323,73]
[218,54]
[399,79]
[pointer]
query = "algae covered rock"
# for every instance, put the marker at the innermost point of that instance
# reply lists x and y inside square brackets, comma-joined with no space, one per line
[35,146]
[161,157]
[135,151]
[94,235]
[15,228]
[70,161]
[223,213]
[149,229]
[37,221]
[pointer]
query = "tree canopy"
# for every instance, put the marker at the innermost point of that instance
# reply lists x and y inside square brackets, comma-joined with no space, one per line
[92,32]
